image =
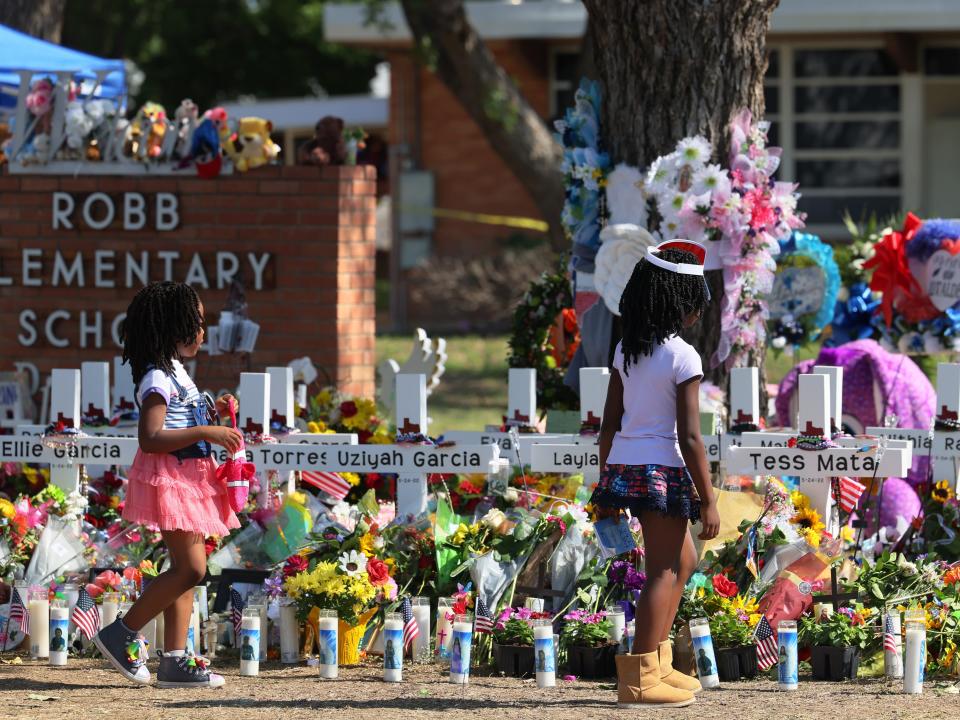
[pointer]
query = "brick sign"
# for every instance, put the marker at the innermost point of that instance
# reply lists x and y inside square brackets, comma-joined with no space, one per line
[73,251]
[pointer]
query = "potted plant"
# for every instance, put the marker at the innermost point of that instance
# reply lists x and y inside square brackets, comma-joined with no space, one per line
[836,641]
[736,651]
[585,639]
[513,641]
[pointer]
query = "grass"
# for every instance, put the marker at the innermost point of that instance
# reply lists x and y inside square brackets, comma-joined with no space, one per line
[473,390]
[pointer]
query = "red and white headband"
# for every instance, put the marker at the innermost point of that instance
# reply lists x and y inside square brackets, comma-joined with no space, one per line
[690,246]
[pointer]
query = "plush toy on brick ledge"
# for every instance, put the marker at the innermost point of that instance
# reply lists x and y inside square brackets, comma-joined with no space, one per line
[327,147]
[252,146]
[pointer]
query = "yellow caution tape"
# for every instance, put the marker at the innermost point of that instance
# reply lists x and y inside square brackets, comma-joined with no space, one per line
[485,218]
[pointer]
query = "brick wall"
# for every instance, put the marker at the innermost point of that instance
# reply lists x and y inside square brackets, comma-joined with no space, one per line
[317,297]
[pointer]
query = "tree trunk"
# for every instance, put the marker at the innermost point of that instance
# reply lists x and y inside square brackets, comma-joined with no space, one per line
[451,48]
[40,18]
[674,68]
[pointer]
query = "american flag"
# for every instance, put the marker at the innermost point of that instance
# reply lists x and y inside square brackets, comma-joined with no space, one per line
[766,644]
[86,615]
[411,630]
[237,604]
[483,622]
[850,492]
[330,482]
[19,614]
[889,638]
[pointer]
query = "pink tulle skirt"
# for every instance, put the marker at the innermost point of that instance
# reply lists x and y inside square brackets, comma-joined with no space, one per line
[170,494]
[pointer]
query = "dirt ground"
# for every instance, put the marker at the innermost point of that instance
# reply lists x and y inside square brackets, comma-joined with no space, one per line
[87,689]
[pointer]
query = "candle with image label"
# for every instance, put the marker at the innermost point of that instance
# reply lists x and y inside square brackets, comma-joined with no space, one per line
[787,645]
[110,608]
[327,644]
[460,650]
[544,653]
[703,655]
[393,648]
[38,606]
[892,645]
[59,631]
[444,629]
[421,643]
[250,642]
[915,654]
[259,602]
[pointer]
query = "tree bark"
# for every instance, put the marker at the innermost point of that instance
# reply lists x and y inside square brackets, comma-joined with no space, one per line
[674,68]
[452,49]
[40,18]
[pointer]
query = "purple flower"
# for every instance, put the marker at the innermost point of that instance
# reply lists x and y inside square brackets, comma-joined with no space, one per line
[634,579]
[618,571]
[273,586]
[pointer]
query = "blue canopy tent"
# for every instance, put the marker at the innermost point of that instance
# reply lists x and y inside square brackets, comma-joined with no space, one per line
[23,52]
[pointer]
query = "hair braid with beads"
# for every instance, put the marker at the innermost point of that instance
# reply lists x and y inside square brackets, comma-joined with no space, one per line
[160,316]
[655,304]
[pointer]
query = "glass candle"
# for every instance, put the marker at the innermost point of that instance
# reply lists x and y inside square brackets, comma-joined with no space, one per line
[893,658]
[250,642]
[444,642]
[544,653]
[421,643]
[703,653]
[71,593]
[110,608]
[787,642]
[200,595]
[618,623]
[535,604]
[460,650]
[124,608]
[258,601]
[628,633]
[327,643]
[915,654]
[289,632]
[59,631]
[38,606]
[393,647]
[193,630]
[160,629]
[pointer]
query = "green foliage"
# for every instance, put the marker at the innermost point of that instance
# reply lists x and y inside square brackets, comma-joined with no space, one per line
[728,631]
[584,634]
[844,628]
[219,49]
[514,632]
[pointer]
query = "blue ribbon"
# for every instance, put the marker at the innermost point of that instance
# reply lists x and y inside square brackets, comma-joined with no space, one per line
[852,319]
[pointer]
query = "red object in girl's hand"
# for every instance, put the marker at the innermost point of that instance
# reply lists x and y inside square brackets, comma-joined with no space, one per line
[236,472]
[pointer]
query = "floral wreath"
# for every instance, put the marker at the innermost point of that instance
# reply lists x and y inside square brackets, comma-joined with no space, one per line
[806,250]
[533,345]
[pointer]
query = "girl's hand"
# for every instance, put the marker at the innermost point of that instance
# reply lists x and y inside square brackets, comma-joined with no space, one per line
[226,437]
[710,521]
[224,402]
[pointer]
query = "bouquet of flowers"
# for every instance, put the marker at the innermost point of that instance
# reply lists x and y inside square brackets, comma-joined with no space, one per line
[585,629]
[941,518]
[330,411]
[514,626]
[847,627]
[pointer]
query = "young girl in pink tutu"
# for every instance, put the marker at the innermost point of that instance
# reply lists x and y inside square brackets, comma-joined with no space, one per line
[173,484]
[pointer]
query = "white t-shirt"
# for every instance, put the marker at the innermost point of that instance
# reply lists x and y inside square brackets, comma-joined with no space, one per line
[179,409]
[648,430]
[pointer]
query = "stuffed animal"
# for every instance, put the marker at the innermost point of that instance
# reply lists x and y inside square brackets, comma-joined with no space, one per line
[40,104]
[252,145]
[77,126]
[148,127]
[205,149]
[186,120]
[327,146]
[5,136]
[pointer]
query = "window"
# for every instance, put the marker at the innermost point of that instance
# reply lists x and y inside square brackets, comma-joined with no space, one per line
[941,61]
[842,107]
[564,80]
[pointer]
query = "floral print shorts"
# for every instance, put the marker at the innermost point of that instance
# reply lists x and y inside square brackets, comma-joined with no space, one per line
[664,489]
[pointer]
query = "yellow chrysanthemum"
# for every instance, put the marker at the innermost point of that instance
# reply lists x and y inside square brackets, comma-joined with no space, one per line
[7,509]
[351,478]
[460,535]
[846,533]
[366,545]
[747,605]
[316,427]
[324,397]
[754,619]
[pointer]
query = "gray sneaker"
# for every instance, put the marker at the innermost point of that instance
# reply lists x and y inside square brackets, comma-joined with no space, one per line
[126,650]
[186,671]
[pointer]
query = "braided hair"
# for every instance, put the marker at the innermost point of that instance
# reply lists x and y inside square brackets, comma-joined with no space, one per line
[161,315]
[655,304]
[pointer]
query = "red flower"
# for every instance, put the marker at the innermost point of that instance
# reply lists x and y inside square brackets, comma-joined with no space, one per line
[724,586]
[424,562]
[378,571]
[209,545]
[295,565]
[468,488]
[348,409]
[363,436]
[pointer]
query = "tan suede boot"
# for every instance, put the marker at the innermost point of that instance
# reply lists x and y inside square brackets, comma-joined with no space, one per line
[639,684]
[673,677]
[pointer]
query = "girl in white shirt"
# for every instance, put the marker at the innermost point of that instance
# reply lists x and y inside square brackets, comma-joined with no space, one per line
[652,458]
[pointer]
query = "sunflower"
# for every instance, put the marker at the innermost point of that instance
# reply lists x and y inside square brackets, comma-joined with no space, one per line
[809,525]
[941,492]
[366,544]
[799,500]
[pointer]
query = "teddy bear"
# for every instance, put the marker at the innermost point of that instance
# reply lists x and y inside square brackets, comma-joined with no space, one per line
[252,146]
[40,104]
[148,128]
[327,146]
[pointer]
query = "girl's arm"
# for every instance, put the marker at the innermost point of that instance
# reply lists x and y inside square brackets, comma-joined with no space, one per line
[694,455]
[155,439]
[609,425]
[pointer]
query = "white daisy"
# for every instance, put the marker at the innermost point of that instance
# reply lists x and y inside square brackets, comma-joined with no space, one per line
[710,178]
[694,151]
[353,563]
[661,174]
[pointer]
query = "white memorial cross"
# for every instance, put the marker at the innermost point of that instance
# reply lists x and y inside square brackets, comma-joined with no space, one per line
[95,392]
[761,453]
[411,407]
[124,394]
[65,408]
[744,405]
